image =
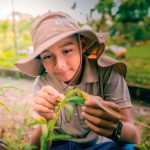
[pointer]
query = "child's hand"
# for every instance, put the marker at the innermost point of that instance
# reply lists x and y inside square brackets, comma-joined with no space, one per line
[46,100]
[97,119]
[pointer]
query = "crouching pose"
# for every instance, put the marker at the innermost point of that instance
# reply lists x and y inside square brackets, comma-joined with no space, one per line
[66,56]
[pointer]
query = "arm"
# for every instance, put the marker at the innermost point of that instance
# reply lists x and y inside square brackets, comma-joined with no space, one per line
[44,104]
[35,137]
[129,133]
[118,99]
[104,123]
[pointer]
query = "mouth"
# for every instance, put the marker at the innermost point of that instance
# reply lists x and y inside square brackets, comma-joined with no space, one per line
[61,73]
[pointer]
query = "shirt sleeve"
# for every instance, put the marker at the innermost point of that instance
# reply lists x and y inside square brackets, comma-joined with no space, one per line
[116,90]
[37,85]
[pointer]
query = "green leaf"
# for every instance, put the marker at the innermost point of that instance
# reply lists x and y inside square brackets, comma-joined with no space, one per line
[19,133]
[44,143]
[69,109]
[51,123]
[9,86]
[60,137]
[44,130]
[4,106]
[71,93]
[35,122]
[76,99]
[32,122]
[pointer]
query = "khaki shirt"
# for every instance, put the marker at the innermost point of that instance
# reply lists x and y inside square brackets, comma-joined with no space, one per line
[107,82]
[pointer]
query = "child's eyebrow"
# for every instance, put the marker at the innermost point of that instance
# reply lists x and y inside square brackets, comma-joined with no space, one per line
[66,44]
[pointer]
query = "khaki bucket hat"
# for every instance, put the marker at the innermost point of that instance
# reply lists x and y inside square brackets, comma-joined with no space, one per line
[49,29]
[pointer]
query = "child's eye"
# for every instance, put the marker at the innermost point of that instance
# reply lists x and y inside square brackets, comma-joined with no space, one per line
[46,57]
[67,51]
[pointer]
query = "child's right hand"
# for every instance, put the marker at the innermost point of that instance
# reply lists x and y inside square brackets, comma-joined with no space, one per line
[45,101]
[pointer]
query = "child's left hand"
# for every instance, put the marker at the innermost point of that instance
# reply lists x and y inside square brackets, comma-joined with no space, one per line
[97,119]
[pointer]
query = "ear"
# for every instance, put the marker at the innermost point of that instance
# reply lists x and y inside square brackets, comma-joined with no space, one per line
[83,44]
[86,44]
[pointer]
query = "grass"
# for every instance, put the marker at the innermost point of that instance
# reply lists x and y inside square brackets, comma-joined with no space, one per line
[8,59]
[142,121]
[138,64]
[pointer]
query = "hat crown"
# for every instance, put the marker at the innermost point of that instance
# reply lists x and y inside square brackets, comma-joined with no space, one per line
[50,25]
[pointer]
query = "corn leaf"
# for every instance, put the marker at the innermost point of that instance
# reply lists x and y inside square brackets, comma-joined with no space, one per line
[51,123]
[44,130]
[76,99]
[9,86]
[69,113]
[1,92]
[4,106]
[44,138]
[32,122]
[70,93]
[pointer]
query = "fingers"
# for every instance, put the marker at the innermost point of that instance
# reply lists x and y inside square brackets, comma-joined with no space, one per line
[112,105]
[48,116]
[41,109]
[43,102]
[97,102]
[98,113]
[50,90]
[111,109]
[47,97]
[98,130]
[99,122]
[46,100]
[44,111]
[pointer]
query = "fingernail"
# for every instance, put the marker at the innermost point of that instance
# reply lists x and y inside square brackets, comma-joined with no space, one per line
[83,107]
[83,114]
[51,111]
[54,115]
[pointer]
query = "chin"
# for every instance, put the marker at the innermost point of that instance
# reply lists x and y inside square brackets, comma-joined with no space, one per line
[65,80]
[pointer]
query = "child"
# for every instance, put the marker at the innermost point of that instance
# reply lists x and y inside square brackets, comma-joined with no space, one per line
[66,56]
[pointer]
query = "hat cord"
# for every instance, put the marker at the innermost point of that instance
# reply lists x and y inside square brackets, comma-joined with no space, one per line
[75,75]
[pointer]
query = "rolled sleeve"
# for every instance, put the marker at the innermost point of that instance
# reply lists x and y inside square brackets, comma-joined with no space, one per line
[117,91]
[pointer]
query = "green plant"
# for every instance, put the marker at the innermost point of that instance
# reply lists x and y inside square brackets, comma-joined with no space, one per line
[48,127]
[2,93]
[16,140]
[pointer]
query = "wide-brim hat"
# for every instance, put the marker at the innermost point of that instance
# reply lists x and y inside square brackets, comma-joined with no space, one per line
[49,29]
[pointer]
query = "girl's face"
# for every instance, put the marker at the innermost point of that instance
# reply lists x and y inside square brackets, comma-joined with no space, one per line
[62,59]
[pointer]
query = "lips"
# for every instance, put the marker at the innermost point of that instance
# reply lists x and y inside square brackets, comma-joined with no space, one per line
[61,73]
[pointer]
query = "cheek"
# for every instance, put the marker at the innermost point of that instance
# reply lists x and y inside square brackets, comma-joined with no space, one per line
[76,62]
[48,67]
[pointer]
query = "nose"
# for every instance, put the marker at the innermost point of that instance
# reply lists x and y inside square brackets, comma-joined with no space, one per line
[60,63]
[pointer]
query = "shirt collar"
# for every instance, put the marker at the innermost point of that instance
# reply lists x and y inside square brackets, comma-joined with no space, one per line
[90,72]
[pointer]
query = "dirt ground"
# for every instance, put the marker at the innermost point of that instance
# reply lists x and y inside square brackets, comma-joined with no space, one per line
[18,101]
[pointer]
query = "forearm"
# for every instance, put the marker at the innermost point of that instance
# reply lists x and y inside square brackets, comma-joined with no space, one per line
[129,134]
[35,138]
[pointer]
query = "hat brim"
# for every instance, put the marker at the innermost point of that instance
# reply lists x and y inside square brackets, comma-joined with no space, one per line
[33,67]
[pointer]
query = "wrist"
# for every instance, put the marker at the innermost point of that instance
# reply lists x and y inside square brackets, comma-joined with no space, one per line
[117,132]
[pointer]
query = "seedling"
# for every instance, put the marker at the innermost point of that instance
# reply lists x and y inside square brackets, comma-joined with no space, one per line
[2,94]
[75,96]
